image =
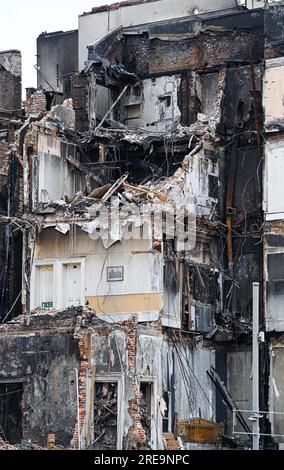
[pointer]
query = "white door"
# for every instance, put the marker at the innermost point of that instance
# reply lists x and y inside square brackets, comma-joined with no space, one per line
[73,285]
[45,287]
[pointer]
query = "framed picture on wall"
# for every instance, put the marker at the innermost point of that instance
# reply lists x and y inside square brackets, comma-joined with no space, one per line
[115,273]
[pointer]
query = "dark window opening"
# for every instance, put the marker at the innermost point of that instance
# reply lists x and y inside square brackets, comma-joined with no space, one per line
[166,413]
[166,99]
[137,91]
[105,416]
[145,409]
[213,186]
[11,412]
[49,96]
[279,287]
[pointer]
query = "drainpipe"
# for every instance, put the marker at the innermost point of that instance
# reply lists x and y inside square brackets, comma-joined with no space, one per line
[255,367]
[24,286]
[78,406]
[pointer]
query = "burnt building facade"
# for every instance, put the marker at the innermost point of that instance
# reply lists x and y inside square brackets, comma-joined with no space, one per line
[149,201]
[11,118]
[57,60]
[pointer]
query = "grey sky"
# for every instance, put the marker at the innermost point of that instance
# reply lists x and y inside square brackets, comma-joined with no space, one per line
[21,21]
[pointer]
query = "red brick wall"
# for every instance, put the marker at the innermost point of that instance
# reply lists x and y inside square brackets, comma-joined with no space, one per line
[204,51]
[79,96]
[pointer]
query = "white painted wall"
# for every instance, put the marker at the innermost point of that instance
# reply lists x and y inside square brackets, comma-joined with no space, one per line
[142,270]
[252,4]
[93,27]
[197,183]
[274,303]
[273,93]
[156,115]
[54,174]
[273,180]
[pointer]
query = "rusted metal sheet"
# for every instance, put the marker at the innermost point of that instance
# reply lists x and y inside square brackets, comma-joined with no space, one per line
[200,430]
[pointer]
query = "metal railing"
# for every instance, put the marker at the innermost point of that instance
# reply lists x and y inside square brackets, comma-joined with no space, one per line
[254,417]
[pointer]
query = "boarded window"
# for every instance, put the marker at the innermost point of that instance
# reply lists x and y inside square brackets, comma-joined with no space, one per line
[133,115]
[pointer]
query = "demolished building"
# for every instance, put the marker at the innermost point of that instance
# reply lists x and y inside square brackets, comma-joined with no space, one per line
[122,331]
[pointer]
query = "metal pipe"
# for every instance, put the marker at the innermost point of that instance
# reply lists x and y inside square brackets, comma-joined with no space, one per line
[24,287]
[255,365]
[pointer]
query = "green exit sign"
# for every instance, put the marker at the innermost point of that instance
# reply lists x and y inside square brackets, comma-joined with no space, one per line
[47,304]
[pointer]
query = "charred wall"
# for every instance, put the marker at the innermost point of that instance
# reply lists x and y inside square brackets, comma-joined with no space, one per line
[240,127]
[79,92]
[57,55]
[10,81]
[206,51]
[274,29]
[41,355]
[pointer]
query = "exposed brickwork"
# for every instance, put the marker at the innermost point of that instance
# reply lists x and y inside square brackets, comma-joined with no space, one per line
[35,103]
[205,51]
[80,335]
[4,158]
[136,54]
[144,56]
[136,436]
[79,97]
[82,391]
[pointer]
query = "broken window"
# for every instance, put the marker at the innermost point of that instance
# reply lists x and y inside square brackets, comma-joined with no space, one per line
[11,412]
[105,415]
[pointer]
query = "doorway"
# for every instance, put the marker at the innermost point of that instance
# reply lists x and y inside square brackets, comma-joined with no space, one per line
[11,412]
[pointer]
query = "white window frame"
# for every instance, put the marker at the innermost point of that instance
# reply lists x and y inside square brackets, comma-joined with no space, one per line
[58,277]
[38,264]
